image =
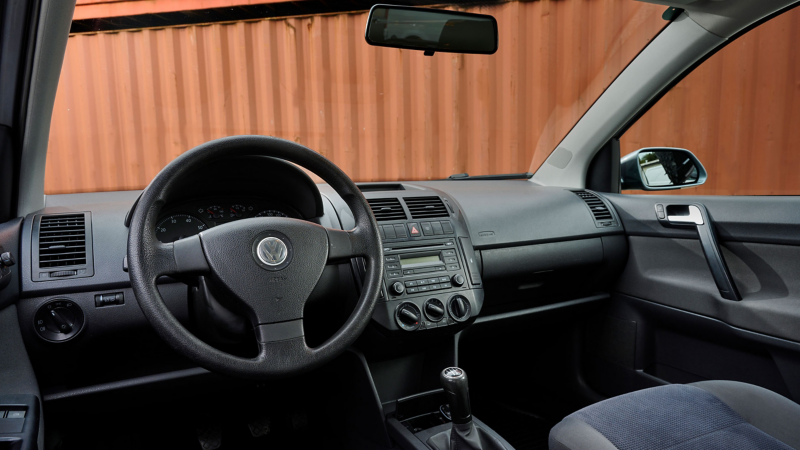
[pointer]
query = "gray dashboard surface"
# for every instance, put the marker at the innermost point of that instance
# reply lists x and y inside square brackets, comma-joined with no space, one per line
[508,213]
[498,214]
[109,236]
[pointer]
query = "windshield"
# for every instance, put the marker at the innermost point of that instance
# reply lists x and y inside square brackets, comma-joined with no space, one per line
[136,91]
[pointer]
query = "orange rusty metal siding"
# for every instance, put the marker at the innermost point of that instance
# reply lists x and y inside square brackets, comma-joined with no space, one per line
[129,102]
[739,113]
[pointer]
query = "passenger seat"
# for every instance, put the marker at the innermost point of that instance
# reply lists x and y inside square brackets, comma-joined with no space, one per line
[707,415]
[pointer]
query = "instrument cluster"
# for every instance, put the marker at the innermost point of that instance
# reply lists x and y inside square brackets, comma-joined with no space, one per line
[191,217]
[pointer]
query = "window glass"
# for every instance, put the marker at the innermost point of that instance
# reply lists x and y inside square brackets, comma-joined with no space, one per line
[738,112]
[131,100]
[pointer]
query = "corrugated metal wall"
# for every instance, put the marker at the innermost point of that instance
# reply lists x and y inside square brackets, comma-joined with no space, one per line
[129,102]
[739,113]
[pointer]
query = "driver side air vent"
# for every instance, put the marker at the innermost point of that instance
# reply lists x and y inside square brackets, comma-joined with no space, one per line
[602,215]
[425,207]
[387,209]
[62,246]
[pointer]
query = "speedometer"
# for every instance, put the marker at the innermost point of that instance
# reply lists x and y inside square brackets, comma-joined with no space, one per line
[271,213]
[177,227]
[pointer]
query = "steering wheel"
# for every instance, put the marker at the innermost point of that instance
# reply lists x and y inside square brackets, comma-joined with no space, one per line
[270,265]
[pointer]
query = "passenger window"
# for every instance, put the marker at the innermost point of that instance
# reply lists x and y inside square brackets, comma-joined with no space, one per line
[738,112]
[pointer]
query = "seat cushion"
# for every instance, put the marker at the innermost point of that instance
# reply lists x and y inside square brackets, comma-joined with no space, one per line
[679,417]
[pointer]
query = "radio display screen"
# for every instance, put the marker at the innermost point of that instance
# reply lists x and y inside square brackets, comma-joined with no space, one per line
[414,260]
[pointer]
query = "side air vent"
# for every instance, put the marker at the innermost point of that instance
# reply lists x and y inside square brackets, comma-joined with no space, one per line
[602,215]
[387,209]
[62,246]
[425,207]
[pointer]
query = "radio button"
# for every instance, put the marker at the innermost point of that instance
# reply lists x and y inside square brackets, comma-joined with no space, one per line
[433,280]
[451,260]
[413,229]
[411,283]
[448,227]
[422,282]
[445,286]
[452,267]
[440,268]
[433,287]
[392,266]
[449,253]
[423,288]
[408,272]
[412,290]
[395,274]
[437,228]
[427,229]
[444,279]
[394,258]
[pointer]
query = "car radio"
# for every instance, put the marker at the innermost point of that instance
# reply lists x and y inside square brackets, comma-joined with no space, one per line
[429,283]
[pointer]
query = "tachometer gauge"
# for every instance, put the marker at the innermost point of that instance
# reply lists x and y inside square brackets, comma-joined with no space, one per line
[236,211]
[178,227]
[271,213]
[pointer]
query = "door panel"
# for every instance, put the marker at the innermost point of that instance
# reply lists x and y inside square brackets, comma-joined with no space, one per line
[685,331]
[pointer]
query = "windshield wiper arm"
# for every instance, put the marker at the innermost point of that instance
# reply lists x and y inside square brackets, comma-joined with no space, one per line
[501,176]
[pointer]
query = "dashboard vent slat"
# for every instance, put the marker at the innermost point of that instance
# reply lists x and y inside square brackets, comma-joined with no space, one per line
[62,246]
[387,209]
[602,215]
[62,240]
[426,207]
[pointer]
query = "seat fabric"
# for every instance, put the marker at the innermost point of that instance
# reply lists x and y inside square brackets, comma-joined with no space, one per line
[679,417]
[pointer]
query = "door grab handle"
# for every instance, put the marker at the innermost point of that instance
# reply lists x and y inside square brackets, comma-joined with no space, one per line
[696,215]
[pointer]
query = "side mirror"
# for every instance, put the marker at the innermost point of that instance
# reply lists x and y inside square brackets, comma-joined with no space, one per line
[431,30]
[659,169]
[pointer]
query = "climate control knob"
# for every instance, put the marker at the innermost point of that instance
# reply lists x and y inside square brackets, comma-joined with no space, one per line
[397,288]
[434,309]
[459,308]
[408,316]
[458,279]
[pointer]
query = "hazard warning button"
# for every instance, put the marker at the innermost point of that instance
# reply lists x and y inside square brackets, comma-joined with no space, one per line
[414,230]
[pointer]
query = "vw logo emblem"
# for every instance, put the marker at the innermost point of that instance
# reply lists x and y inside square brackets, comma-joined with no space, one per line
[272,251]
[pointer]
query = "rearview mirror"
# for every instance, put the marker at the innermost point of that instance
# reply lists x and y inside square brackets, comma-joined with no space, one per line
[431,30]
[657,169]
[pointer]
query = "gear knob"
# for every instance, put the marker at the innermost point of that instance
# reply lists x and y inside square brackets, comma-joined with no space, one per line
[456,389]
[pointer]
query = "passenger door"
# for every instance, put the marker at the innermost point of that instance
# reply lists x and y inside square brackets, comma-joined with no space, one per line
[669,321]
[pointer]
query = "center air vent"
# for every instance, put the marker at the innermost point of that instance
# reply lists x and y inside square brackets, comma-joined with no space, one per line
[602,215]
[387,209]
[62,246]
[425,207]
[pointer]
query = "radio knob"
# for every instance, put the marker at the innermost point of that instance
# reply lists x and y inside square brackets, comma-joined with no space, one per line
[458,279]
[397,288]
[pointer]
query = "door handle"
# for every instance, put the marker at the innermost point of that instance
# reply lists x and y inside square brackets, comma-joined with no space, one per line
[696,215]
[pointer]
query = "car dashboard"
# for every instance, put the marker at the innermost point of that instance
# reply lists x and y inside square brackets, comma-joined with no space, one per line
[459,254]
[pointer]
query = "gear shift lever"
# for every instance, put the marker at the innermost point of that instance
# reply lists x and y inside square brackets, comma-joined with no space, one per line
[464,435]
[456,389]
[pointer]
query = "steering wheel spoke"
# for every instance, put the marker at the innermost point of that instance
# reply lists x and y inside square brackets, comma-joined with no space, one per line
[343,245]
[281,331]
[184,256]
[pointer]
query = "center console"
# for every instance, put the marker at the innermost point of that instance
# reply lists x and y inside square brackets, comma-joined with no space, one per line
[431,276]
